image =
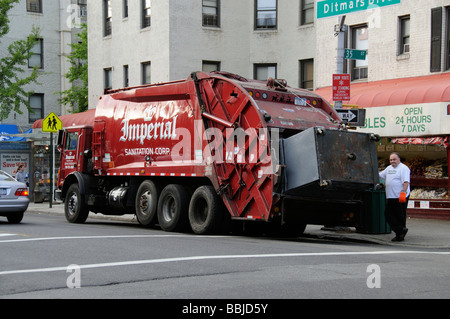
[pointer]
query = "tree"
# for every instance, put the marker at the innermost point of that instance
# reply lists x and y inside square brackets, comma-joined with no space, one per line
[12,92]
[77,95]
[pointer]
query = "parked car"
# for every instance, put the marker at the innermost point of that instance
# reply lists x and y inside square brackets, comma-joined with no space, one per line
[13,198]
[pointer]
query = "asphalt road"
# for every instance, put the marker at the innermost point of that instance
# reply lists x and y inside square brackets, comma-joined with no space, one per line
[47,257]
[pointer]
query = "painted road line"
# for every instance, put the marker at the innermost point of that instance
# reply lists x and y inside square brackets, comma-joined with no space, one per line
[216,257]
[106,237]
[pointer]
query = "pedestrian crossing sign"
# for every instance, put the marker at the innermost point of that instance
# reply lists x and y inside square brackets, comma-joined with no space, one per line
[52,123]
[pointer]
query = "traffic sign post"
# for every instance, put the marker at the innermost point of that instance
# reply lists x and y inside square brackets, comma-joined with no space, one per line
[51,124]
[353,117]
[341,87]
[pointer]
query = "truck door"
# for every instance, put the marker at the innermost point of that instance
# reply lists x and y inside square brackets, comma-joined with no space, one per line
[74,156]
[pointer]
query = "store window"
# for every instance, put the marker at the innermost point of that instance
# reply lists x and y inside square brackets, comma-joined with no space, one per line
[266,14]
[404,34]
[264,71]
[211,13]
[360,41]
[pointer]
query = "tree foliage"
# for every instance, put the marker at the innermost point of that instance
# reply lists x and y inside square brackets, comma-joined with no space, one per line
[77,95]
[12,78]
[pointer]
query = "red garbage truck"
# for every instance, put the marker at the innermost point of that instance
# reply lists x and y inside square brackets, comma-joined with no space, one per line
[216,147]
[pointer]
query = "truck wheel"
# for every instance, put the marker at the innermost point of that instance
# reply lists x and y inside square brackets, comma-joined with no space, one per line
[75,208]
[205,211]
[146,203]
[173,208]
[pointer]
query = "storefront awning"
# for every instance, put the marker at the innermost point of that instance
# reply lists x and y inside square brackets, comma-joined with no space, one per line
[84,118]
[10,133]
[437,140]
[416,90]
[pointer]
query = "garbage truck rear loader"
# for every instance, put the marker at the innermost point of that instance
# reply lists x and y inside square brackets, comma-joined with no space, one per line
[215,147]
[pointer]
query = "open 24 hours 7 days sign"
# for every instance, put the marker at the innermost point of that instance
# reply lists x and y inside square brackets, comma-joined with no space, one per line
[408,120]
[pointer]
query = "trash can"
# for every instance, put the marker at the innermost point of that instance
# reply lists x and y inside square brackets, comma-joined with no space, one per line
[38,197]
[373,220]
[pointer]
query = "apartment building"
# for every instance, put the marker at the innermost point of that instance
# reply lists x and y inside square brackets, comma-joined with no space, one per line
[149,41]
[58,23]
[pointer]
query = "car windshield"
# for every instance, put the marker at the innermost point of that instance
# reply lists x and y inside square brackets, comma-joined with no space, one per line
[5,176]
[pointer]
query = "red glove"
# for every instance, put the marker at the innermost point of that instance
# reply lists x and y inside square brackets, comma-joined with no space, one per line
[402,198]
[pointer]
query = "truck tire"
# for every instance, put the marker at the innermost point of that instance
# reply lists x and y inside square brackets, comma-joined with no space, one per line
[75,208]
[206,212]
[146,203]
[173,208]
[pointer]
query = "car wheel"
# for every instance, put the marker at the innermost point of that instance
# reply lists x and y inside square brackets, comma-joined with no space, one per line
[15,218]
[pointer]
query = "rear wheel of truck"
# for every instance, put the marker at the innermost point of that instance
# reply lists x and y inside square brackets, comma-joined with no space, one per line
[75,208]
[173,208]
[206,211]
[146,203]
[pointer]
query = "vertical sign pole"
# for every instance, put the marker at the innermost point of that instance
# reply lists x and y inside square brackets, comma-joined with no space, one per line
[340,30]
[51,170]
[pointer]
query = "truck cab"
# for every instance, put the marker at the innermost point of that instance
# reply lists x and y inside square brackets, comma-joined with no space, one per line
[74,144]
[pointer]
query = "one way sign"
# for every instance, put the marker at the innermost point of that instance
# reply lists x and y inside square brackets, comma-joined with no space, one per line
[354,117]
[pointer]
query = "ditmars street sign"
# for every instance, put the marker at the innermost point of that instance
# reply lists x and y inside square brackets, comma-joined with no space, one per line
[330,8]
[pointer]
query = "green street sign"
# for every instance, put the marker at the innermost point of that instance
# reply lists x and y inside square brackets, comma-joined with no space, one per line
[351,54]
[330,8]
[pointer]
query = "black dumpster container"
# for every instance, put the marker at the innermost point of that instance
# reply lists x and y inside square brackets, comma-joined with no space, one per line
[373,220]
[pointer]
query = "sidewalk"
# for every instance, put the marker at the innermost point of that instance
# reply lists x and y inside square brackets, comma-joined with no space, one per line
[423,233]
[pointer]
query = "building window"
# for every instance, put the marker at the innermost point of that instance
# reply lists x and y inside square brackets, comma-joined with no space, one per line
[126,76]
[146,13]
[404,33]
[34,6]
[360,41]
[306,12]
[107,75]
[82,8]
[107,14]
[264,71]
[37,58]
[307,74]
[125,9]
[210,66]
[266,14]
[447,48]
[146,73]
[211,13]
[37,106]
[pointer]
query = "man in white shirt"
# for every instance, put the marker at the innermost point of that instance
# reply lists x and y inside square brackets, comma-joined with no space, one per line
[397,177]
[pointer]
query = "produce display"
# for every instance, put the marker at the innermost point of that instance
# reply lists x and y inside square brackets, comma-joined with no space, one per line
[428,169]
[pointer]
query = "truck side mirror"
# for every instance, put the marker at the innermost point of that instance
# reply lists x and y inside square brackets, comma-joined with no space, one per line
[60,140]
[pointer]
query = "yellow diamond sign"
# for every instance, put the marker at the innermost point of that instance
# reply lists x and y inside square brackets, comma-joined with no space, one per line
[52,123]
